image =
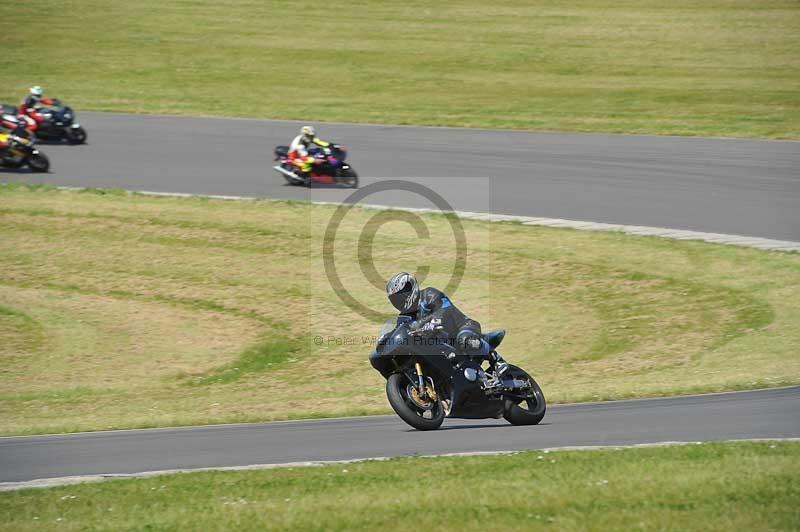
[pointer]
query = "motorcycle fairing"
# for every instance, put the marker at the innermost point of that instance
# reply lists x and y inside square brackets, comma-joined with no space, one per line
[467,400]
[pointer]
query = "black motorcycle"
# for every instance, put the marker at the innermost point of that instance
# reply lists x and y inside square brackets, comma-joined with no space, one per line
[427,379]
[59,124]
[21,152]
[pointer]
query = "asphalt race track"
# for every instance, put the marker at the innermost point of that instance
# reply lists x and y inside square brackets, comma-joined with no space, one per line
[743,187]
[755,414]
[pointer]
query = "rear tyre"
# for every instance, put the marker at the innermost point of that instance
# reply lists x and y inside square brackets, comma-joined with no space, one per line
[348,177]
[529,411]
[39,162]
[421,419]
[76,135]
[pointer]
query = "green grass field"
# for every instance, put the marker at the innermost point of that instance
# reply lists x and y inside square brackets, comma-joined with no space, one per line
[687,67]
[708,487]
[120,310]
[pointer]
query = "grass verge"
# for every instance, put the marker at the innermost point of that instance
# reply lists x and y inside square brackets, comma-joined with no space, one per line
[713,486]
[686,67]
[121,310]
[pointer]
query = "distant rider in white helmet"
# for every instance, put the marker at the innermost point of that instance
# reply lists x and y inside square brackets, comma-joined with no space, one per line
[33,103]
[34,97]
[302,145]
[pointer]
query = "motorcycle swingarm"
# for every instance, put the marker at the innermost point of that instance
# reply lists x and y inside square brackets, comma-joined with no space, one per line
[512,395]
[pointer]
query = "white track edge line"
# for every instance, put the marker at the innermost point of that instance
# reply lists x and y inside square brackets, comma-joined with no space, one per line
[638,230]
[81,479]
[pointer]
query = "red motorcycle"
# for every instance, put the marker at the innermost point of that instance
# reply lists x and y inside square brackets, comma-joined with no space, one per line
[21,125]
[329,167]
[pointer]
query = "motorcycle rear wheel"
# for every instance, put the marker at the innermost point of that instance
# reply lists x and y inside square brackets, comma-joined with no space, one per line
[396,392]
[38,163]
[533,410]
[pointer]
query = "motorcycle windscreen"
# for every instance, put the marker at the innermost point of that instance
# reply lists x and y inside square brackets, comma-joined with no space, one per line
[388,327]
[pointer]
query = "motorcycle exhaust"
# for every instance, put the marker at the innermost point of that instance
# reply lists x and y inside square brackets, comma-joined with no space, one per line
[287,173]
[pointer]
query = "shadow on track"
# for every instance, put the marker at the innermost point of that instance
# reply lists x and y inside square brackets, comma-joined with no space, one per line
[493,426]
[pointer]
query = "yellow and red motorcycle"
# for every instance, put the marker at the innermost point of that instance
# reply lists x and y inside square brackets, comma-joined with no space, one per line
[17,151]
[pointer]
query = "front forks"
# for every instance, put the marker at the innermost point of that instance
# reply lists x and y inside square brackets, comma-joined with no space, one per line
[427,390]
[420,377]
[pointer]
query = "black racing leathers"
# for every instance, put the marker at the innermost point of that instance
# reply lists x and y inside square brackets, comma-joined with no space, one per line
[31,101]
[437,314]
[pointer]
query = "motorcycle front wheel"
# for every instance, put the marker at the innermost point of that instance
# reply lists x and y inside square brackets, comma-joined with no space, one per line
[421,418]
[348,177]
[39,162]
[76,135]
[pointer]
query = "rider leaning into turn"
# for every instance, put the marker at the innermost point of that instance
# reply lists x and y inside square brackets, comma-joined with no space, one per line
[299,150]
[432,311]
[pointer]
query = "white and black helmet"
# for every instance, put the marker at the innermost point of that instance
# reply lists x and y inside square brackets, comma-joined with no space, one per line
[308,133]
[403,292]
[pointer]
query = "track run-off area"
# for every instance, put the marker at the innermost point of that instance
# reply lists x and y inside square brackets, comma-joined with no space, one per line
[730,186]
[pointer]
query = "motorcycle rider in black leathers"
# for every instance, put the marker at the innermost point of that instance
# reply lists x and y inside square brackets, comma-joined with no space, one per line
[432,312]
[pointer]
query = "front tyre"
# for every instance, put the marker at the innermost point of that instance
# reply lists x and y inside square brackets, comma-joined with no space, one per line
[348,177]
[76,135]
[528,411]
[397,391]
[39,162]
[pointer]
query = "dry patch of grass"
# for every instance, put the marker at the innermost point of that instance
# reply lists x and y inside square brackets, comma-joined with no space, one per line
[119,310]
[102,341]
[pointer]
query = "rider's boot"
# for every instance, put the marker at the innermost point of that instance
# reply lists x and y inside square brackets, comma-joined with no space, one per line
[499,365]
[489,380]
[492,378]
